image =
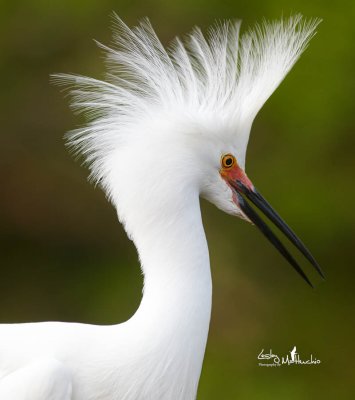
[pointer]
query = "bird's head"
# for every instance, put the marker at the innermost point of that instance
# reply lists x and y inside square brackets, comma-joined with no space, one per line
[181,117]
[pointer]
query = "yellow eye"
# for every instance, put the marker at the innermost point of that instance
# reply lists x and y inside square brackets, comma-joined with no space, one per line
[228,161]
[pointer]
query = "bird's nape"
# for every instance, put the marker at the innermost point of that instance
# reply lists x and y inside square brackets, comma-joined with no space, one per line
[244,191]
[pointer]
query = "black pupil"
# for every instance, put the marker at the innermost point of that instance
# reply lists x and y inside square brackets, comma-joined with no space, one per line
[229,161]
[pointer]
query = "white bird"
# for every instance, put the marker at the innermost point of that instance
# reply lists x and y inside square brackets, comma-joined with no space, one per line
[166,127]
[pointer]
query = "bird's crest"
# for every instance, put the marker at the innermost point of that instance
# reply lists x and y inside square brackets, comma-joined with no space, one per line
[222,74]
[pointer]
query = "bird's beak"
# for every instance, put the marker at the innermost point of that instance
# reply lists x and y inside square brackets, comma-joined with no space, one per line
[245,191]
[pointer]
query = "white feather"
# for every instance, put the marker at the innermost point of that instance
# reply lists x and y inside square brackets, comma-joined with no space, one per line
[222,75]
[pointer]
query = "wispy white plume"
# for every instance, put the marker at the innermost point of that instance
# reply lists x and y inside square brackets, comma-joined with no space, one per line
[222,74]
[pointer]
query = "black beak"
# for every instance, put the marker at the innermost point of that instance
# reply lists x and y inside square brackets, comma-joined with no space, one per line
[258,200]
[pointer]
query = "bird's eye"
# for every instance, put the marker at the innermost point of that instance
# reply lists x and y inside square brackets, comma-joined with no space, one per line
[228,161]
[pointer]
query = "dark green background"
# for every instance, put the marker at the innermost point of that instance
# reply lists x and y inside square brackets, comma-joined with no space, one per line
[63,255]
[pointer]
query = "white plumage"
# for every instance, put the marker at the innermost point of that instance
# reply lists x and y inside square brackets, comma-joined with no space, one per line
[158,126]
[222,78]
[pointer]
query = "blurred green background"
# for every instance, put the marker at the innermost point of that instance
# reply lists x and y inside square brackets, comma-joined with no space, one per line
[63,255]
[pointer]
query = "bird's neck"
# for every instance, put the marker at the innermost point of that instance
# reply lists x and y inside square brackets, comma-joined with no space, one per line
[174,314]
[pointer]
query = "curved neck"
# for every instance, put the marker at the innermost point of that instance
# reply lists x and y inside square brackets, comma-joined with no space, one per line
[174,314]
[175,261]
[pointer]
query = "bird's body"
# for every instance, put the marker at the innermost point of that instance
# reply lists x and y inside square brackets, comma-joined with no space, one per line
[158,353]
[173,129]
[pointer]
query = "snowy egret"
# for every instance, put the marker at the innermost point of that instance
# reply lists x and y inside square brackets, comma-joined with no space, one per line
[165,128]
